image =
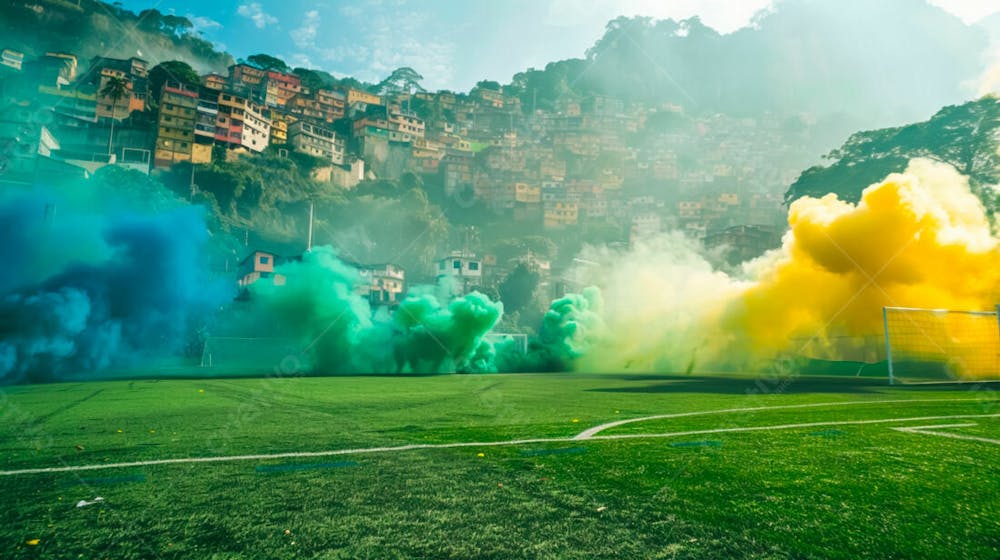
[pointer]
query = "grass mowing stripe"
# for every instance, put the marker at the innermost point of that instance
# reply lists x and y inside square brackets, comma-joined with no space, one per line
[109,480]
[706,443]
[305,466]
[416,446]
[561,451]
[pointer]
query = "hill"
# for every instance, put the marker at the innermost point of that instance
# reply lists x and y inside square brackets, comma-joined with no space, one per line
[816,56]
[89,28]
[965,136]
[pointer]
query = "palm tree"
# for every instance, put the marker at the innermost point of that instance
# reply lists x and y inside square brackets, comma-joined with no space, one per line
[115,89]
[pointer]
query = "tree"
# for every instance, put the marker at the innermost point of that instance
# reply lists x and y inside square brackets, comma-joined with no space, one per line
[517,291]
[963,136]
[176,25]
[114,89]
[268,62]
[402,80]
[488,84]
[311,78]
[171,71]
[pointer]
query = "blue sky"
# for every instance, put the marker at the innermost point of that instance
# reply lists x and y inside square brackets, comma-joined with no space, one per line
[452,43]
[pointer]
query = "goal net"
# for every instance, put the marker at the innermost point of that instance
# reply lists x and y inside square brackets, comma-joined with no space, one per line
[925,345]
[516,341]
[250,355]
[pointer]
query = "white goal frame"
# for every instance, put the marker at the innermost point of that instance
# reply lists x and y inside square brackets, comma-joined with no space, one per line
[888,339]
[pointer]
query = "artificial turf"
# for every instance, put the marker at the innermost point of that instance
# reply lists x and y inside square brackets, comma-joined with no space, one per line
[839,491]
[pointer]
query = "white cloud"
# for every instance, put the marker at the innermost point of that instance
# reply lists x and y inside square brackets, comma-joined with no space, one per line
[304,36]
[723,15]
[299,60]
[255,13]
[201,23]
[970,11]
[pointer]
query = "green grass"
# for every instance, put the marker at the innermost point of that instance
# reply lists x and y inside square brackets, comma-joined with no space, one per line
[843,491]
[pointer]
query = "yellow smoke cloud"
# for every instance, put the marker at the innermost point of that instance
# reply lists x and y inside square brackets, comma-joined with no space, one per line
[989,82]
[917,239]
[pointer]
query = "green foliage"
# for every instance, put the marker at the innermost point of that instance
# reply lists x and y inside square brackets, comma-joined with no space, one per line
[964,136]
[510,248]
[382,223]
[517,291]
[266,193]
[403,79]
[867,50]
[267,62]
[171,71]
[154,22]
[320,79]
[115,89]
[101,29]
[313,79]
[134,188]
[488,84]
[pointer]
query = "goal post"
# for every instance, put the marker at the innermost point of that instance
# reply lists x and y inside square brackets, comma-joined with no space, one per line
[249,355]
[927,345]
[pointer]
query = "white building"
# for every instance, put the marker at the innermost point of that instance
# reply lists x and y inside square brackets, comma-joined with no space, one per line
[316,141]
[465,269]
[256,131]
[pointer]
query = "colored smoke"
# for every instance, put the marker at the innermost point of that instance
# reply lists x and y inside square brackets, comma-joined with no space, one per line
[121,289]
[317,303]
[917,239]
[99,283]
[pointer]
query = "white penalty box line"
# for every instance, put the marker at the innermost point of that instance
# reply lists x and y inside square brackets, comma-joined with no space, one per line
[517,442]
[935,431]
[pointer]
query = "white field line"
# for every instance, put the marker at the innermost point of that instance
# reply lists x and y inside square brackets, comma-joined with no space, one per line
[789,426]
[410,447]
[932,431]
[591,432]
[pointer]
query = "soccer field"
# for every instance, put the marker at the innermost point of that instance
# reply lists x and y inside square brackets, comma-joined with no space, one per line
[500,466]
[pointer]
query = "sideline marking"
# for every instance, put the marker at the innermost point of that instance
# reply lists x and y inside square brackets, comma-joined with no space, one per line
[590,432]
[932,431]
[414,446]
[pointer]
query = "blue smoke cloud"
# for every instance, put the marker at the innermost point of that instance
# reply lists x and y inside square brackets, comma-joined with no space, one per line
[93,289]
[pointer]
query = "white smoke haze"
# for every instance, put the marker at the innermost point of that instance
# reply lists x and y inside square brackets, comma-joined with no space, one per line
[660,300]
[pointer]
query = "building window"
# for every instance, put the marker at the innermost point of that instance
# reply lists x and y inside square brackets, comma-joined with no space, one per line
[473,266]
[457,265]
[265,260]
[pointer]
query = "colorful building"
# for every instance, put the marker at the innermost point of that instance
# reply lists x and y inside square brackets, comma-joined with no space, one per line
[136,76]
[242,123]
[175,137]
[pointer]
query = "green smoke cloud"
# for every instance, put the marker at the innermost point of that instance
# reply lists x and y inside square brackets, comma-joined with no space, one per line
[341,334]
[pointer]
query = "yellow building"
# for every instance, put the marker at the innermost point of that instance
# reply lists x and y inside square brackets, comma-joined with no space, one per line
[214,81]
[529,194]
[355,95]
[279,128]
[561,214]
[175,130]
